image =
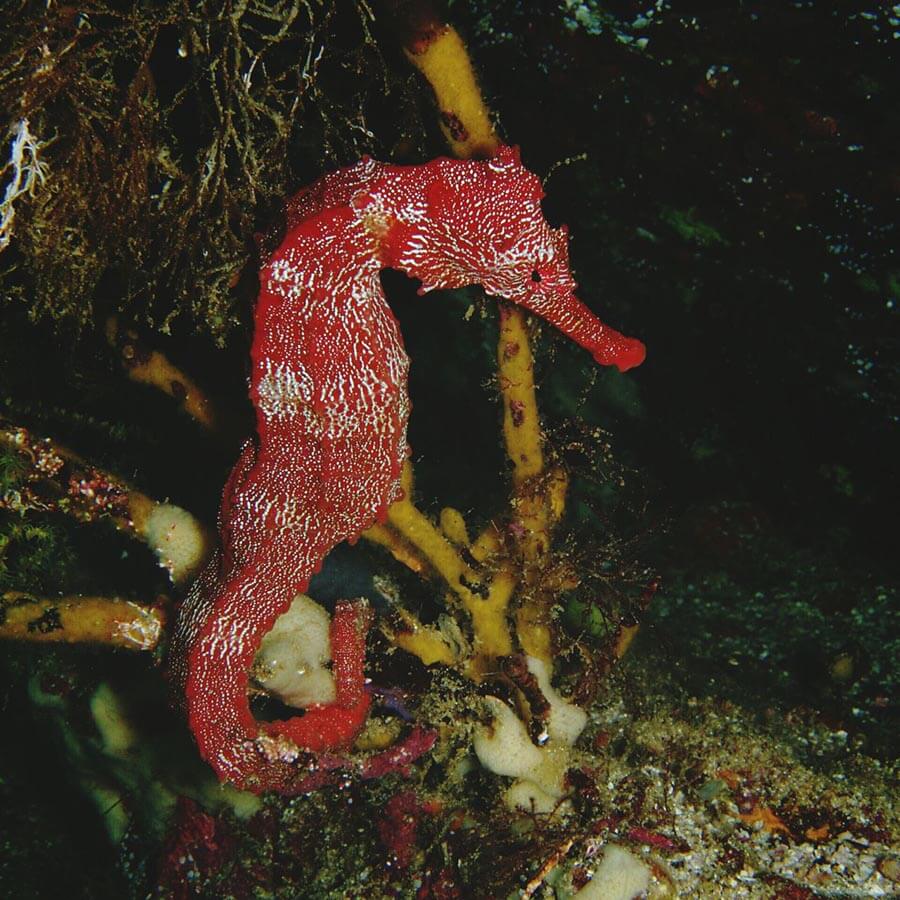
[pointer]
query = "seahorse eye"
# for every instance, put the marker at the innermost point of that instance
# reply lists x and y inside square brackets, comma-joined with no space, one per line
[535,276]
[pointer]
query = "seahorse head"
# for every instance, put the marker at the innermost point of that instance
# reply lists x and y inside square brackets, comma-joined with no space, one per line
[481,223]
[478,223]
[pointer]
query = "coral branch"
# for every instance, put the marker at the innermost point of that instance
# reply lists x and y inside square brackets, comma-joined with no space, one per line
[454,526]
[56,480]
[415,527]
[112,621]
[423,641]
[490,622]
[402,551]
[521,425]
[558,855]
[522,435]
[24,172]
[486,604]
[438,52]
[153,368]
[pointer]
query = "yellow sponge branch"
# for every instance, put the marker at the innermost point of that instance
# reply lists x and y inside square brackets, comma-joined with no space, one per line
[490,623]
[387,537]
[424,641]
[538,497]
[464,119]
[113,621]
[454,526]
[416,528]
[521,425]
[153,368]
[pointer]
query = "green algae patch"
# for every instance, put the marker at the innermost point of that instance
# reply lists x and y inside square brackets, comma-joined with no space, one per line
[689,227]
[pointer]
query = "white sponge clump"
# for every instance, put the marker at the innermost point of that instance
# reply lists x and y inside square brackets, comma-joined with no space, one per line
[566,720]
[504,747]
[293,657]
[180,542]
[620,876]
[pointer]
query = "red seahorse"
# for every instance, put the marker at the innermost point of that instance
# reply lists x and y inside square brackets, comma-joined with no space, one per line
[329,387]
